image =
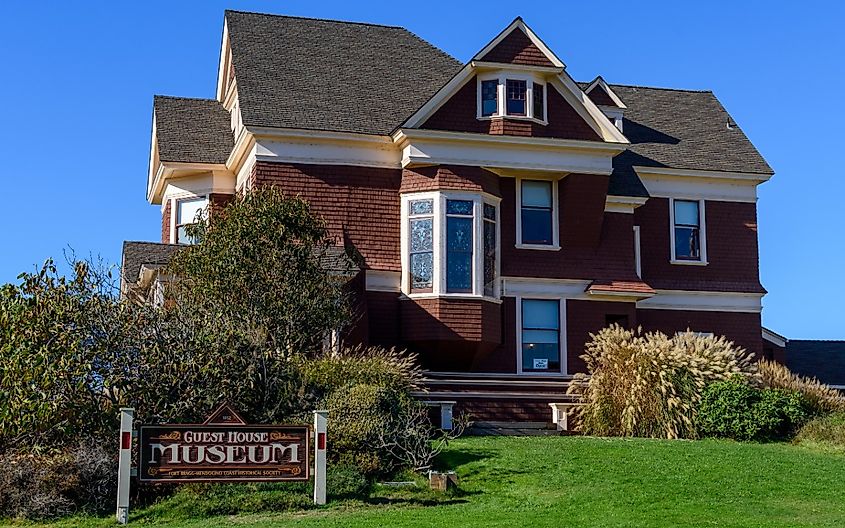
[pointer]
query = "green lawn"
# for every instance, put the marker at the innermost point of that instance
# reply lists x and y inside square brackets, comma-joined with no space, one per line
[589,482]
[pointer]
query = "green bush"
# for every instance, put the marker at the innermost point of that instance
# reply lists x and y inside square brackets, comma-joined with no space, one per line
[825,431]
[735,409]
[346,481]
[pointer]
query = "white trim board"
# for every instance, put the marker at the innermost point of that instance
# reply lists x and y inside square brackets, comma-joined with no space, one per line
[701,185]
[703,301]
[774,338]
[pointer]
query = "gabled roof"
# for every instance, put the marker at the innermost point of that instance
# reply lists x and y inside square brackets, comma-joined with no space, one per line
[192,130]
[824,360]
[602,94]
[328,75]
[137,254]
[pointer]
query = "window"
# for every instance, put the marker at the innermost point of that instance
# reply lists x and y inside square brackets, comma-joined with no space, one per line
[450,244]
[421,227]
[539,107]
[540,335]
[189,212]
[512,94]
[516,97]
[686,218]
[489,249]
[459,244]
[489,97]
[536,212]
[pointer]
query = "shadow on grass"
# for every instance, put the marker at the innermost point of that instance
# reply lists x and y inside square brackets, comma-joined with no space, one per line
[410,501]
[453,459]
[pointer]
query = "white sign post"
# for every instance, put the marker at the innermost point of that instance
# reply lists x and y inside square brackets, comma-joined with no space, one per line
[320,420]
[124,468]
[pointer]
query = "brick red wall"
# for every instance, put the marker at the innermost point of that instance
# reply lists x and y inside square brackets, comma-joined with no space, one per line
[453,177]
[165,222]
[585,317]
[731,249]
[583,255]
[458,114]
[517,48]
[741,328]
[359,204]
[218,202]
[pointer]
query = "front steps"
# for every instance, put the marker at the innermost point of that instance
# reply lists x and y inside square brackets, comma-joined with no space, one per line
[493,428]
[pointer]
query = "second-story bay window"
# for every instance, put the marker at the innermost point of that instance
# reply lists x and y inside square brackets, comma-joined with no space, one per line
[450,244]
[188,211]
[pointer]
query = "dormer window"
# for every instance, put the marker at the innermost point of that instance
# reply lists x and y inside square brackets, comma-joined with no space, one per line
[518,95]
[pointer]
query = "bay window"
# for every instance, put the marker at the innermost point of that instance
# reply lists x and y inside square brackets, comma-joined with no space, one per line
[537,215]
[450,244]
[517,94]
[687,236]
[489,97]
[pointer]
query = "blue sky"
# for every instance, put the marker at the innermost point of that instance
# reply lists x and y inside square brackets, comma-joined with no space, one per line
[78,81]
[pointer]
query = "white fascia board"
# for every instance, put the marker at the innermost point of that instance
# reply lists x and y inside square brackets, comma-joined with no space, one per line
[703,301]
[383,281]
[544,288]
[438,99]
[700,185]
[774,338]
[486,66]
[508,152]
[310,147]
[221,64]
[213,182]
[623,204]
[154,169]
[587,109]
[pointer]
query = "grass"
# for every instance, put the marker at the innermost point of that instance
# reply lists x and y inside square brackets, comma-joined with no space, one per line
[585,482]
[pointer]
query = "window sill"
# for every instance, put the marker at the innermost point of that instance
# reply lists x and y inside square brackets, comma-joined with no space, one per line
[519,118]
[548,374]
[541,247]
[689,262]
[459,296]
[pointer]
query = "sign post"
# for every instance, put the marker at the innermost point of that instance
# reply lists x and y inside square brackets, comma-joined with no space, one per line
[124,467]
[320,418]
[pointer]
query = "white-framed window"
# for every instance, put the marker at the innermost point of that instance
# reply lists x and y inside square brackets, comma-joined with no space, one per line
[188,211]
[450,244]
[537,219]
[541,341]
[688,233]
[513,94]
[638,259]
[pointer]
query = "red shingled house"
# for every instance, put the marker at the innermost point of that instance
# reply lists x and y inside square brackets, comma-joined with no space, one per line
[499,210]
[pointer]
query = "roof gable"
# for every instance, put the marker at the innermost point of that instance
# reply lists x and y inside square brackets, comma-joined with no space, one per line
[603,95]
[517,48]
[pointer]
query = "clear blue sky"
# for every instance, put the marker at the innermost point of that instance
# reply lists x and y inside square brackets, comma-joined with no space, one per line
[77,85]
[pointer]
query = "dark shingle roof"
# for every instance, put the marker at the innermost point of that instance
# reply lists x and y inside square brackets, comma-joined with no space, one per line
[137,254]
[824,360]
[330,75]
[192,130]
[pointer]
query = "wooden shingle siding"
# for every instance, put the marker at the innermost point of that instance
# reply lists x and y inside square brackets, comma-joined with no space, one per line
[517,48]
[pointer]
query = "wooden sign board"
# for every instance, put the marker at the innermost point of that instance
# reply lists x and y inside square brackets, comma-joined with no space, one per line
[225,450]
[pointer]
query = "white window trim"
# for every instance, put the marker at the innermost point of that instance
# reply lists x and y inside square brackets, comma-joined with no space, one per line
[562,341]
[174,212]
[439,244]
[501,95]
[702,229]
[555,245]
[638,262]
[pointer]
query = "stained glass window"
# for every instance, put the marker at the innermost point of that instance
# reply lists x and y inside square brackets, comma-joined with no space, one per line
[541,335]
[489,249]
[536,212]
[687,230]
[459,244]
[421,244]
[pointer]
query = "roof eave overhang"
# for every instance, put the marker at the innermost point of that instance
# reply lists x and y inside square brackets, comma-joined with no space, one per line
[752,178]
[173,169]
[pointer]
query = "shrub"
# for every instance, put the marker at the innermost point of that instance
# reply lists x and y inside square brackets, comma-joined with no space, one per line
[741,411]
[38,486]
[346,481]
[394,369]
[820,398]
[826,431]
[650,385]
